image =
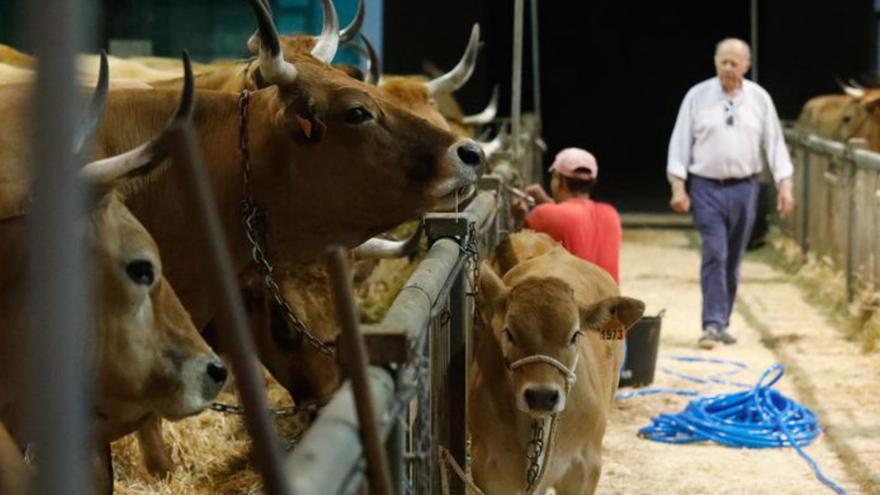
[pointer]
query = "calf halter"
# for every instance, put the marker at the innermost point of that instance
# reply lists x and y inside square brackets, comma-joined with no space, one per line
[252,215]
[537,467]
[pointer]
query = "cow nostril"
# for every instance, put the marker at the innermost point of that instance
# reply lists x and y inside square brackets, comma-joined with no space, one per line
[217,372]
[542,399]
[470,154]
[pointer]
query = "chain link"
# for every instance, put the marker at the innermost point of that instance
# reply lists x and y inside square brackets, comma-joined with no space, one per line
[278,412]
[253,220]
[534,452]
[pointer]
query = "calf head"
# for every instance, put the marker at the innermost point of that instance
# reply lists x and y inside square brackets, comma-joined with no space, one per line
[541,331]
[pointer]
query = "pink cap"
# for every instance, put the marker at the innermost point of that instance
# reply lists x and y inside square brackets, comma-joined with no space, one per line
[576,163]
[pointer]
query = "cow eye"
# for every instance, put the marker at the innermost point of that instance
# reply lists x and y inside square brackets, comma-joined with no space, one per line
[140,272]
[575,337]
[357,115]
[509,335]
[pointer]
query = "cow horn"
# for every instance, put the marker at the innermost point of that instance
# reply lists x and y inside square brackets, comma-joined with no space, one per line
[374,67]
[491,147]
[89,125]
[144,158]
[488,114]
[328,42]
[854,92]
[460,74]
[273,67]
[377,248]
[852,82]
[354,28]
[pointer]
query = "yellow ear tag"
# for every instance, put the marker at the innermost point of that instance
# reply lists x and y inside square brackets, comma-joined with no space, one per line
[306,126]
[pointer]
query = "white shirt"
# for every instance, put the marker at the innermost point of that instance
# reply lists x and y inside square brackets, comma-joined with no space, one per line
[723,137]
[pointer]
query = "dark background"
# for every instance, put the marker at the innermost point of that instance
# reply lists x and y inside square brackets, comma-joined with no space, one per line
[613,73]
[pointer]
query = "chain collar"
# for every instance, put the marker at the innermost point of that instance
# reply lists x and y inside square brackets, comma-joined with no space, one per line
[253,220]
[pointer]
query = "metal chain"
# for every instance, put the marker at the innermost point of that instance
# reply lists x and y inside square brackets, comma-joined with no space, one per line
[251,219]
[277,412]
[534,452]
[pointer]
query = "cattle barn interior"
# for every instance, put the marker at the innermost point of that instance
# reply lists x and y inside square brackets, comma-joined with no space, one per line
[308,263]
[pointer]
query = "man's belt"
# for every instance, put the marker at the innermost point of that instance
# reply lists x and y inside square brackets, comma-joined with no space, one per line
[728,181]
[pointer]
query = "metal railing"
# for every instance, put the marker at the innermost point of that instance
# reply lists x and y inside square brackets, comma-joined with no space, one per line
[837,197]
[420,353]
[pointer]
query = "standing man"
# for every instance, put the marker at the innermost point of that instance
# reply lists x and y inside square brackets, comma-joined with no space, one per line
[588,229]
[726,129]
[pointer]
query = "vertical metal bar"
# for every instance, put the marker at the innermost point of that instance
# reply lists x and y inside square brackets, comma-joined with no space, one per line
[456,376]
[231,321]
[57,406]
[355,361]
[516,80]
[754,41]
[396,450]
[805,200]
[536,64]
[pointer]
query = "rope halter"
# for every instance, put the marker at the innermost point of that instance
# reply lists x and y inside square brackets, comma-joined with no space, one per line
[568,373]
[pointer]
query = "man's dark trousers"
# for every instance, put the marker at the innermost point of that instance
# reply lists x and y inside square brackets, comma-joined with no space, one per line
[724,213]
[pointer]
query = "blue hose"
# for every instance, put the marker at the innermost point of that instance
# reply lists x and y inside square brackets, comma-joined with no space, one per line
[759,417]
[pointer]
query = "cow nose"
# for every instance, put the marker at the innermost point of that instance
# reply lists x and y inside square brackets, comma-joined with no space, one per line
[470,154]
[217,372]
[542,399]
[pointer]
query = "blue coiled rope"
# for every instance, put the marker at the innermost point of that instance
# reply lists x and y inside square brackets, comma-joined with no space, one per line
[759,417]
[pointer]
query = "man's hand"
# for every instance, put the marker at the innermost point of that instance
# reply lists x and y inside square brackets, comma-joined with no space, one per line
[680,201]
[537,191]
[784,198]
[519,208]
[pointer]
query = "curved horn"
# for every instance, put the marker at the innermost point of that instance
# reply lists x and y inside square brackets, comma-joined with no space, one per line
[460,74]
[325,48]
[146,157]
[376,248]
[488,114]
[374,67]
[492,146]
[854,92]
[354,28]
[89,125]
[273,67]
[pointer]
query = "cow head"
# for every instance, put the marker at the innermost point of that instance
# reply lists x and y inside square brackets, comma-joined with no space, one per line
[541,330]
[357,162]
[149,356]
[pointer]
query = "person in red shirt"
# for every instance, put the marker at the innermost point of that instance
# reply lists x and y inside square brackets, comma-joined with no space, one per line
[588,229]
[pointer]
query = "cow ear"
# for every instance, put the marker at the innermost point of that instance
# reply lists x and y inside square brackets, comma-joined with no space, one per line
[492,289]
[505,256]
[612,314]
[871,102]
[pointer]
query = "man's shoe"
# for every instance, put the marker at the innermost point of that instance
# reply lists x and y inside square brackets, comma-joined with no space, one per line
[725,337]
[708,339]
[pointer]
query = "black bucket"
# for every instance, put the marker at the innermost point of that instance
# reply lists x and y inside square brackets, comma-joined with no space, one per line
[642,342]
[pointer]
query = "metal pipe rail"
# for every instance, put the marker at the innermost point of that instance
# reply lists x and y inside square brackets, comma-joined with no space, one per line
[837,212]
[424,340]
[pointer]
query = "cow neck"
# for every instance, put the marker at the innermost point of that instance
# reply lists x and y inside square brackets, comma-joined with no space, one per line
[254,222]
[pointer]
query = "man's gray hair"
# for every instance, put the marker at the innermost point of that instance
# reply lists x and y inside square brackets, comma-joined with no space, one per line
[740,44]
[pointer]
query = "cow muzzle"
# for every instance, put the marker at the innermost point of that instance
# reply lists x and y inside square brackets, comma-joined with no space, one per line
[201,378]
[544,397]
[468,162]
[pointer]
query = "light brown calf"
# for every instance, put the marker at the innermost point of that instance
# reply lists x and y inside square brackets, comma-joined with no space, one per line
[552,347]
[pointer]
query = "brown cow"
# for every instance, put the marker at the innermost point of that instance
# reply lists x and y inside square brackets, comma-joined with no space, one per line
[148,357]
[855,114]
[551,349]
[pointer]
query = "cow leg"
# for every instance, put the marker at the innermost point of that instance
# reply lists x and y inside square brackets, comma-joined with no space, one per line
[154,450]
[579,480]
